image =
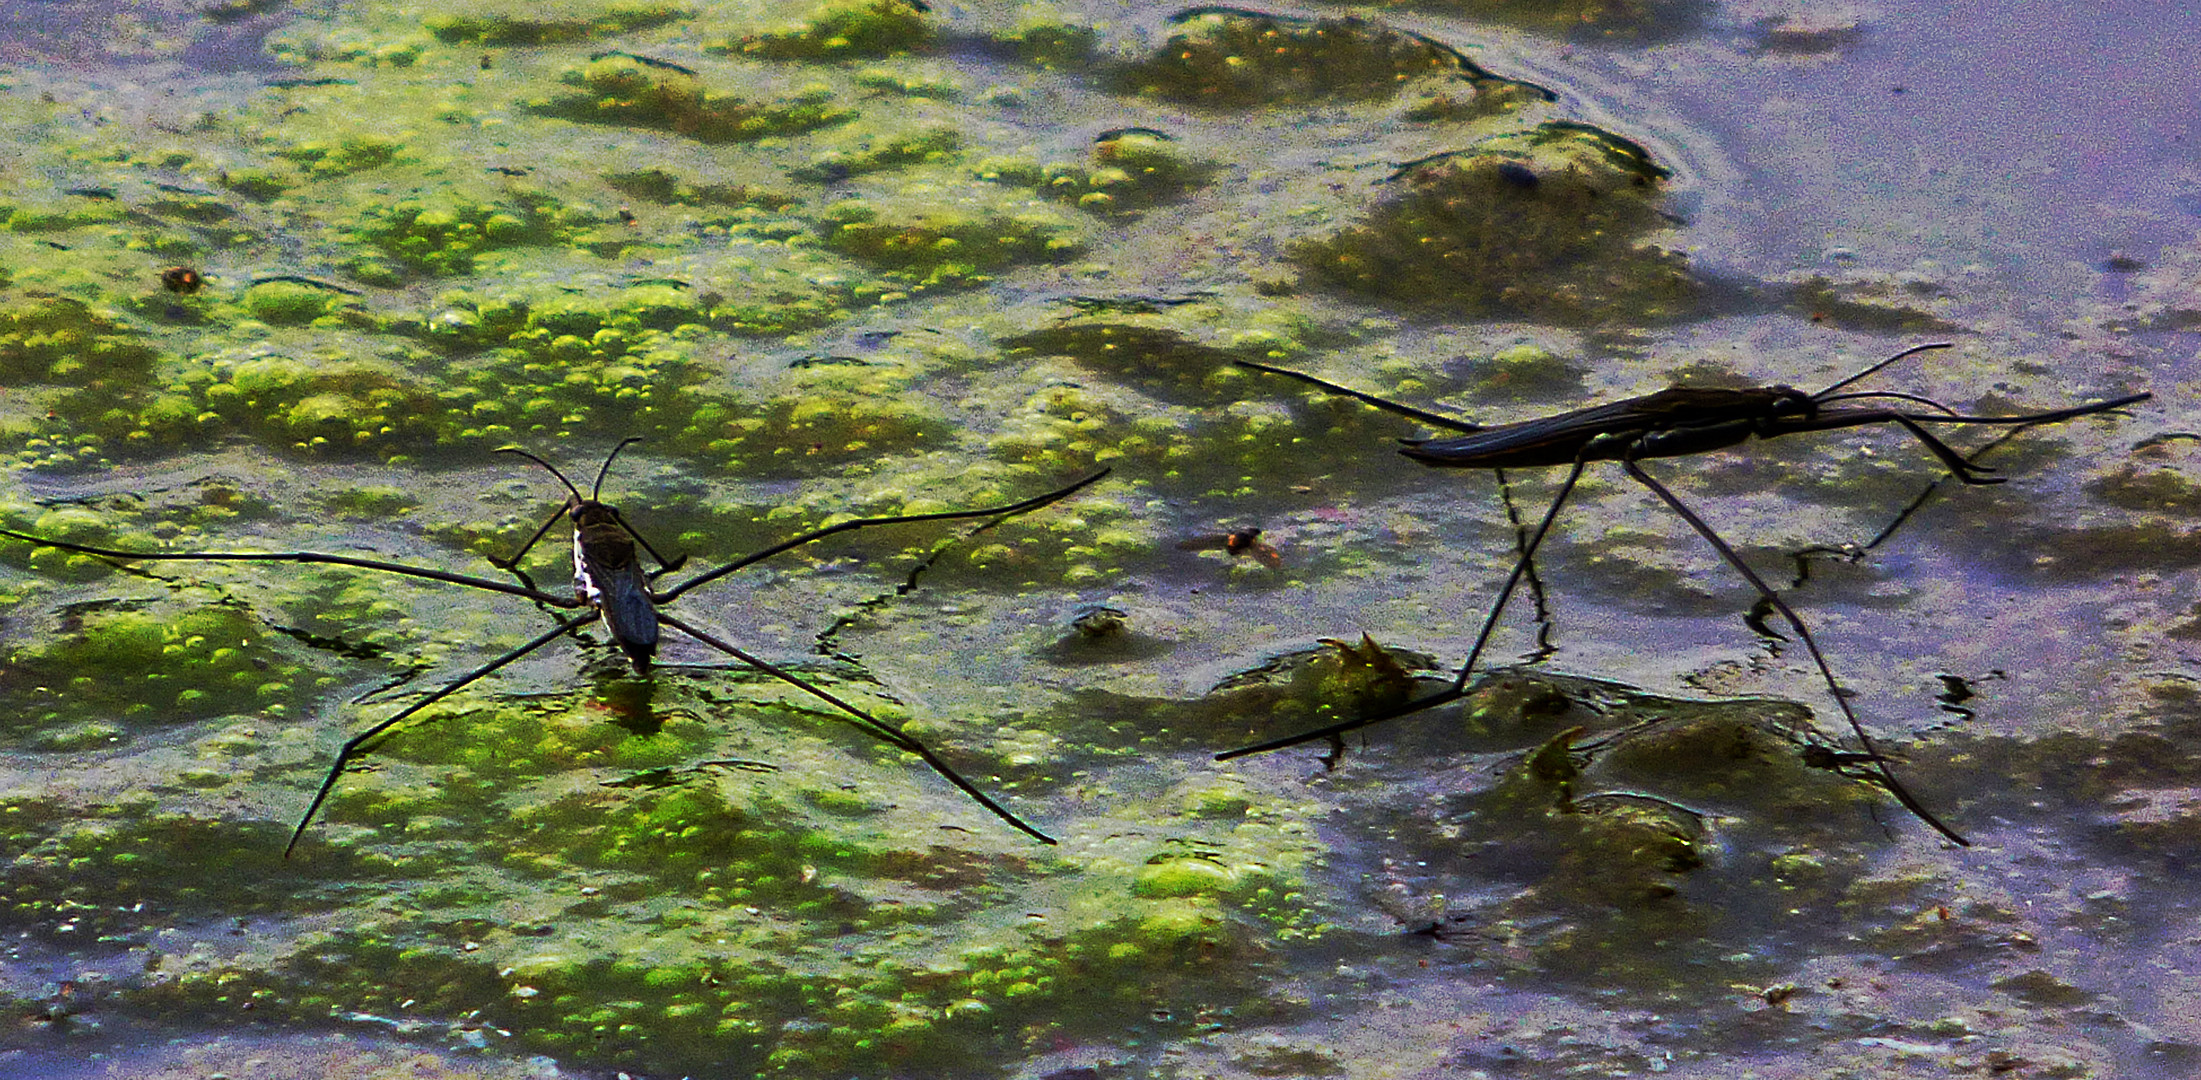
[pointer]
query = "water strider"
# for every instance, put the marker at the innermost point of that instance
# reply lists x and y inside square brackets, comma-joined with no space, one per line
[1671,423]
[609,584]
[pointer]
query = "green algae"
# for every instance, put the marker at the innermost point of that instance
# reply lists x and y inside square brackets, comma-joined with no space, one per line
[1049,39]
[948,248]
[152,669]
[259,184]
[844,29]
[891,151]
[324,160]
[500,22]
[1590,19]
[784,896]
[1129,170]
[724,987]
[663,186]
[1550,223]
[1226,59]
[1151,360]
[63,341]
[620,89]
[285,303]
[443,237]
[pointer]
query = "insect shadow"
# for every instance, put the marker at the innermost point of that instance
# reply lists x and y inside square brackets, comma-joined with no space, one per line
[609,584]
[1672,423]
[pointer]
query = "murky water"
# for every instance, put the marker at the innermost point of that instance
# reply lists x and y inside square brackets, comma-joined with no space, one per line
[879,261]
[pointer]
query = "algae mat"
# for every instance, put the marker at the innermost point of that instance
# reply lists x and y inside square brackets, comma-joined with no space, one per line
[282,278]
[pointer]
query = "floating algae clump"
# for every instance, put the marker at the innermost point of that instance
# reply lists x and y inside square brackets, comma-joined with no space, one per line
[441,235]
[717,919]
[530,23]
[286,303]
[946,247]
[1233,59]
[107,369]
[1130,169]
[663,186]
[148,668]
[1165,364]
[895,151]
[1591,19]
[351,406]
[344,157]
[1546,224]
[619,89]
[841,31]
[62,341]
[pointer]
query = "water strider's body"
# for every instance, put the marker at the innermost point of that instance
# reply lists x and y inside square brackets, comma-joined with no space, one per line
[1681,420]
[607,576]
[1674,422]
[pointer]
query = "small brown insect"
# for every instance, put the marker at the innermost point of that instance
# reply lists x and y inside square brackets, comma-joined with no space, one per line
[181,279]
[1245,541]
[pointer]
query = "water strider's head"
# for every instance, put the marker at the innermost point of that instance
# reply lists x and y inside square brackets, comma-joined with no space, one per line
[1788,403]
[576,503]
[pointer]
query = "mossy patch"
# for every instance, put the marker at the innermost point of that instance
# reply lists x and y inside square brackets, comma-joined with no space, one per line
[442,236]
[1130,169]
[1551,224]
[1586,19]
[501,22]
[947,247]
[152,670]
[63,341]
[840,30]
[1234,59]
[619,89]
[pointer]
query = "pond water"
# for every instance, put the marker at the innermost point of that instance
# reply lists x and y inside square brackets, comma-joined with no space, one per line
[280,278]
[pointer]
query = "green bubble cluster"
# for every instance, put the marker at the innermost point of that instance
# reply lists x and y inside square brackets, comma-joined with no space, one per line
[34,219]
[1235,59]
[151,669]
[289,303]
[1045,38]
[540,368]
[619,89]
[949,248]
[258,184]
[341,157]
[936,146]
[69,868]
[663,186]
[790,932]
[1550,224]
[487,22]
[1240,433]
[841,30]
[440,236]
[62,341]
[1130,170]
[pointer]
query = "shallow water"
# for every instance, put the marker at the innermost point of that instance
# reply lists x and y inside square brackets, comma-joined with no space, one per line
[928,292]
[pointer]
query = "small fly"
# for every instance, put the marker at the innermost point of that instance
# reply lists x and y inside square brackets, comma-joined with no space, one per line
[1246,541]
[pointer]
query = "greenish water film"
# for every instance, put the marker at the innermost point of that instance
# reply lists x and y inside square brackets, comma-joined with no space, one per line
[281,277]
